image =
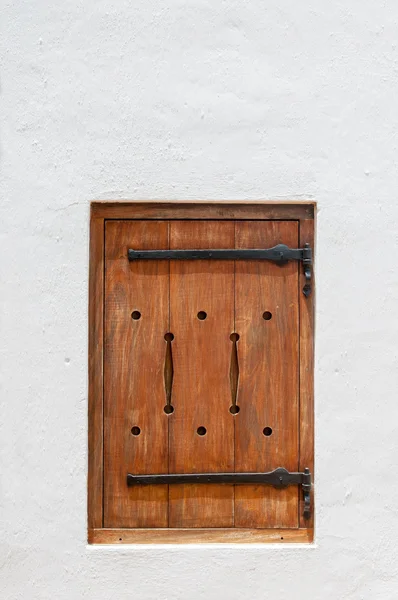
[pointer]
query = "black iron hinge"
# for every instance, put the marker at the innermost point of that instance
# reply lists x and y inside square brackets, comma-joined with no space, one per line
[280,254]
[279,478]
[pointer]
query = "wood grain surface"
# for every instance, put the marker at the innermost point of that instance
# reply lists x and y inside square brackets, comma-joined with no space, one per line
[268,374]
[135,372]
[134,393]
[208,210]
[200,536]
[95,375]
[306,374]
[201,389]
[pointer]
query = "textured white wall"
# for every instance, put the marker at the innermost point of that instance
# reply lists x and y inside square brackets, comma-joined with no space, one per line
[196,100]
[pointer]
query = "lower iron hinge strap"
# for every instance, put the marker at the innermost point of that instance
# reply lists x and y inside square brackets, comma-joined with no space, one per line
[279,478]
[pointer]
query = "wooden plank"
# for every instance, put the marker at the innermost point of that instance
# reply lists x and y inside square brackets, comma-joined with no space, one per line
[133,376]
[204,210]
[201,389]
[268,379]
[95,373]
[200,536]
[306,374]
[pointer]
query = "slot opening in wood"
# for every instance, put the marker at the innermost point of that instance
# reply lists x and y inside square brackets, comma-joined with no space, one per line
[168,374]
[234,374]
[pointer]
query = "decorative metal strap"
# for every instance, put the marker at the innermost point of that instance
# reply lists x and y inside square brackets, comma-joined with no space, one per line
[279,478]
[280,254]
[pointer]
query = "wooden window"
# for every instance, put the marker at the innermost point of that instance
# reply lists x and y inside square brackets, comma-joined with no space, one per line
[200,365]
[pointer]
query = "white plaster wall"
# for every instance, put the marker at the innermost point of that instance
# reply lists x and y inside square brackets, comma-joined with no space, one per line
[197,99]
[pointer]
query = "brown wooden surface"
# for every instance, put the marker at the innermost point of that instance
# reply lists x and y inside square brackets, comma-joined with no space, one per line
[201,389]
[204,210]
[151,511]
[200,536]
[95,373]
[268,375]
[306,373]
[133,377]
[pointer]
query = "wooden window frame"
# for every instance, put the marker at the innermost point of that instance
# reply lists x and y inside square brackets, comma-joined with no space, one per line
[304,213]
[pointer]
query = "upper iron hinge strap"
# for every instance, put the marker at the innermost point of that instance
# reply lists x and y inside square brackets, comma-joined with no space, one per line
[279,254]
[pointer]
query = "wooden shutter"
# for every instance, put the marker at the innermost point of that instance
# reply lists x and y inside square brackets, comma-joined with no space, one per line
[206,368]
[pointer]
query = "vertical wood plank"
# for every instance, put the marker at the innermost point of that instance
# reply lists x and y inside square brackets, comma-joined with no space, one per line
[201,389]
[306,373]
[95,371]
[268,380]
[133,375]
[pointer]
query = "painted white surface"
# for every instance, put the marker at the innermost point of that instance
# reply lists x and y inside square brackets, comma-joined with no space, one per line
[196,100]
